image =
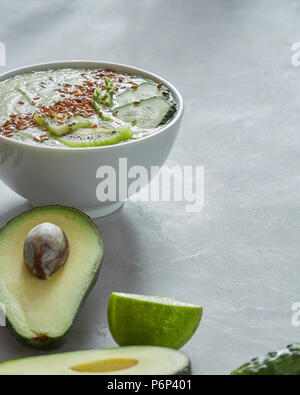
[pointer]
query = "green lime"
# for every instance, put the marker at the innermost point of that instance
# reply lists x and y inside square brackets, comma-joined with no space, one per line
[151,320]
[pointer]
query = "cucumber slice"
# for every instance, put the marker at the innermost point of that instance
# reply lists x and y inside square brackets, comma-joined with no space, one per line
[95,137]
[144,91]
[150,113]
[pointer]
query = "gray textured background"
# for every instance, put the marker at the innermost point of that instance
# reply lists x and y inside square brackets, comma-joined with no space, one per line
[239,258]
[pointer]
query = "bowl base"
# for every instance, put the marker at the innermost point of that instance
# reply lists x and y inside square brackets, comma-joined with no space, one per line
[96,212]
[107,209]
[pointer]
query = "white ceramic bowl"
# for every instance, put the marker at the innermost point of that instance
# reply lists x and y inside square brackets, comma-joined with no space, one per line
[67,176]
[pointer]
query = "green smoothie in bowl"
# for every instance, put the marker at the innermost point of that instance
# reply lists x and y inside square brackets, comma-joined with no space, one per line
[74,107]
[67,128]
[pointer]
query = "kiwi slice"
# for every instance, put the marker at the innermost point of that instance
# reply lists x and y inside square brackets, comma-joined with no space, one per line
[95,137]
[59,130]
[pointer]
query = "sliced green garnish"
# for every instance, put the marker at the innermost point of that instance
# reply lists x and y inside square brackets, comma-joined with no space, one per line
[143,91]
[95,137]
[150,113]
[102,99]
[60,130]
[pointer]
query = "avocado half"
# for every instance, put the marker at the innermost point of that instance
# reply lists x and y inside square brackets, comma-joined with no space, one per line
[137,360]
[41,313]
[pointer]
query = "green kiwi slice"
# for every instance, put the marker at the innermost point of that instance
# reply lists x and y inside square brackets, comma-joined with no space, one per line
[59,130]
[95,137]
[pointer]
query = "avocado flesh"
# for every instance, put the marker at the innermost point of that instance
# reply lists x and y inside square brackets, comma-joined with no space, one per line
[140,360]
[42,312]
[281,363]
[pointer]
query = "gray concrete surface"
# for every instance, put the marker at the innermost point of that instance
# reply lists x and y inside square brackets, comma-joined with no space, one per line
[239,257]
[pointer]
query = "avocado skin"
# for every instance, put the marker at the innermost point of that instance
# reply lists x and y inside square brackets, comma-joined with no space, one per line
[186,371]
[281,363]
[48,343]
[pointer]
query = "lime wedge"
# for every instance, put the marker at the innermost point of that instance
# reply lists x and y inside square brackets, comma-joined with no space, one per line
[151,320]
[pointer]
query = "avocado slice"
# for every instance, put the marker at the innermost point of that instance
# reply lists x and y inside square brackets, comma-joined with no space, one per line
[140,360]
[280,363]
[41,313]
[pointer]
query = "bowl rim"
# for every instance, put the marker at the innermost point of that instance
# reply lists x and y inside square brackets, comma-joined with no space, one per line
[94,64]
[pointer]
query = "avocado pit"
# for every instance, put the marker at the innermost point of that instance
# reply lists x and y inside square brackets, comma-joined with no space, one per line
[46,250]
